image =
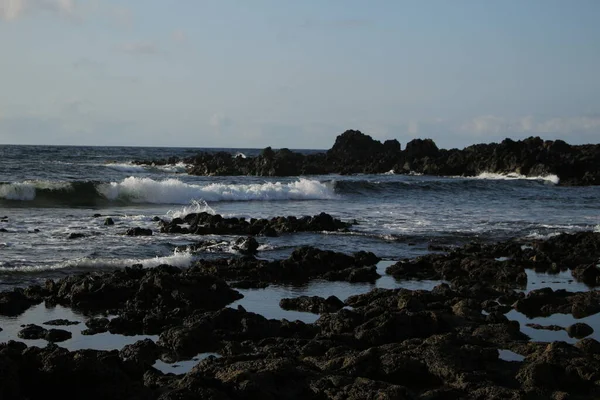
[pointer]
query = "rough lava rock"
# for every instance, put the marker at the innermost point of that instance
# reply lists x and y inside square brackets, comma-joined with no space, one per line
[355,152]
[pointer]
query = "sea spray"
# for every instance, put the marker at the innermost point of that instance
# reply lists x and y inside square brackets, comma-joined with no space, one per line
[174,191]
[513,175]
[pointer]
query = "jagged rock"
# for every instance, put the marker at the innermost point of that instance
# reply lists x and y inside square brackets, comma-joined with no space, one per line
[355,152]
[246,246]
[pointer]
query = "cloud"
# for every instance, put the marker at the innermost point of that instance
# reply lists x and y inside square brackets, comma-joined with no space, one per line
[140,47]
[13,9]
[493,125]
[179,35]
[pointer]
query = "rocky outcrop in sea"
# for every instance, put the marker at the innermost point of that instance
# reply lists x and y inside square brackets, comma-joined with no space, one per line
[354,152]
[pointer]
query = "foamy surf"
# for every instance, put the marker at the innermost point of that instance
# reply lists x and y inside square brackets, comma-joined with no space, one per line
[26,191]
[196,206]
[181,259]
[136,168]
[174,191]
[513,176]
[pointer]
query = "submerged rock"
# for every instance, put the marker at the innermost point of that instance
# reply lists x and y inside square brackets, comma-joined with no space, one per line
[61,322]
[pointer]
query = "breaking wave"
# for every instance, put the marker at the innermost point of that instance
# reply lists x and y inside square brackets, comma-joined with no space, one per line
[138,190]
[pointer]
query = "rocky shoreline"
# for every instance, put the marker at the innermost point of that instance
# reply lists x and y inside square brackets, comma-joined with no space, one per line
[446,343]
[354,152]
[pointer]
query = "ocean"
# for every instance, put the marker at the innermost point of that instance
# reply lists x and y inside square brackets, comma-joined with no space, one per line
[48,193]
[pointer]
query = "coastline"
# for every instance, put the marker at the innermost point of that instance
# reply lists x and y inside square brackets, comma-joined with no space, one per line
[456,336]
[354,153]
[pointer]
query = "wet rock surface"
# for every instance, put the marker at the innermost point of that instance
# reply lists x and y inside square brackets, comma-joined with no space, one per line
[61,322]
[354,152]
[312,304]
[304,264]
[208,224]
[396,344]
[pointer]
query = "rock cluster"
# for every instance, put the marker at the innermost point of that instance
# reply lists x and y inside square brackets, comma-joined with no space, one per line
[396,344]
[354,152]
[208,224]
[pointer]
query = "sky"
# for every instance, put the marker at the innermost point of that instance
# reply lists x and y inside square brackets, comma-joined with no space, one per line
[283,73]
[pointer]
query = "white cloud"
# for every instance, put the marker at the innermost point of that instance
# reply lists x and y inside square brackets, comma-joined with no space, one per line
[493,125]
[140,47]
[14,9]
[179,35]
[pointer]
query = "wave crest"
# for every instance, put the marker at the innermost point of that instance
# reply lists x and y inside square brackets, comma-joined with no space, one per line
[513,175]
[143,190]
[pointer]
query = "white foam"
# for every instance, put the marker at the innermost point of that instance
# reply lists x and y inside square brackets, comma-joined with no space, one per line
[125,167]
[182,259]
[196,206]
[174,191]
[390,172]
[597,229]
[513,176]
[26,190]
[179,167]
[537,235]
[239,154]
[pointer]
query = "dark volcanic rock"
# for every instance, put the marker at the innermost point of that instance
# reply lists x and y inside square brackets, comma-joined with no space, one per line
[313,304]
[246,246]
[95,326]
[109,221]
[388,344]
[147,300]
[137,231]
[57,335]
[61,322]
[54,372]
[546,327]
[32,331]
[355,152]
[545,302]
[208,224]
[75,235]
[304,264]
[579,330]
[16,302]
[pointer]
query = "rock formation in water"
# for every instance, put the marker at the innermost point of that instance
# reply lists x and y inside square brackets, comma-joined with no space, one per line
[354,152]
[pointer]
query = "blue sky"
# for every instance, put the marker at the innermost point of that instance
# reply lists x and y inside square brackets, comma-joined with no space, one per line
[297,73]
